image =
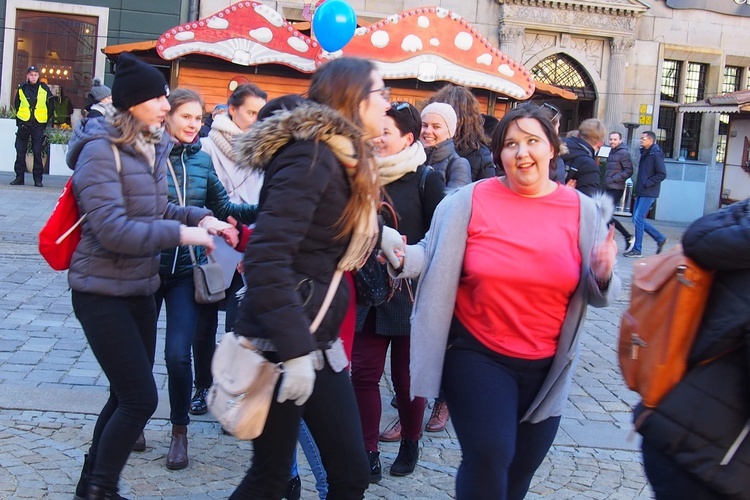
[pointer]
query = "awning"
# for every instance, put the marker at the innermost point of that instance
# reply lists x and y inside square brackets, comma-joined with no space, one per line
[731,102]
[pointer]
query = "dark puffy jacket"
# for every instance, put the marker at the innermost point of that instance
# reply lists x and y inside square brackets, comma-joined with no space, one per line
[455,170]
[480,161]
[651,172]
[295,249]
[619,168]
[203,190]
[703,416]
[129,220]
[580,163]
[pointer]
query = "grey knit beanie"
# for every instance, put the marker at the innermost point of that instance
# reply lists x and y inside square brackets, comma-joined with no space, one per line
[99,91]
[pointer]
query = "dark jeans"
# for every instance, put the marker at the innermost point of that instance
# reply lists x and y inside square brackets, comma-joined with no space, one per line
[232,303]
[36,134]
[204,344]
[670,481]
[182,313]
[368,363]
[488,394]
[616,194]
[331,415]
[122,334]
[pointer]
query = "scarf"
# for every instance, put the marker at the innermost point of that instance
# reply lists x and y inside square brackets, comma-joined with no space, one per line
[145,142]
[223,133]
[392,168]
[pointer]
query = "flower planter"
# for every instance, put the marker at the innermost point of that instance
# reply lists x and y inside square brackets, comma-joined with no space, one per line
[57,165]
[7,144]
[30,161]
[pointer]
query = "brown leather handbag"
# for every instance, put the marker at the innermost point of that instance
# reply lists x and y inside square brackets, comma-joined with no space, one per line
[667,300]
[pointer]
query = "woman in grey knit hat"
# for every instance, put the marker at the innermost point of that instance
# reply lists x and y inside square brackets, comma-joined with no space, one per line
[99,95]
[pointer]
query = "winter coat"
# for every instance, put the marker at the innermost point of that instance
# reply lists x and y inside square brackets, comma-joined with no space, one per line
[480,161]
[414,208]
[203,190]
[128,218]
[619,168]
[438,261]
[580,161]
[455,170]
[651,172]
[295,247]
[702,417]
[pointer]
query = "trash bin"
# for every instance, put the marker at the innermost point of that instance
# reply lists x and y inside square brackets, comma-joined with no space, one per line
[624,204]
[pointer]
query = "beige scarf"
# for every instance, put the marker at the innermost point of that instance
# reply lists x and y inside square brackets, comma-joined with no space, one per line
[223,133]
[392,168]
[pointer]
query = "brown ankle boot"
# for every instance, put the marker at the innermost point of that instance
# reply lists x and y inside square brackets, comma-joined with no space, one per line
[177,457]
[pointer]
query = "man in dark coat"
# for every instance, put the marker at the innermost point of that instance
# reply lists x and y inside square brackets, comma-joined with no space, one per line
[580,160]
[619,170]
[34,111]
[651,173]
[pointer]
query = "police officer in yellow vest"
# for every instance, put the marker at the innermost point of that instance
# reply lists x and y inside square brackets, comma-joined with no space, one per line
[34,111]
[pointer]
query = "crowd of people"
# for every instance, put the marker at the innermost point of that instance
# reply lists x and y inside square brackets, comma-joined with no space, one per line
[495,236]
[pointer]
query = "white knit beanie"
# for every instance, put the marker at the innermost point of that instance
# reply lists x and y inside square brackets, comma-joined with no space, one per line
[446,112]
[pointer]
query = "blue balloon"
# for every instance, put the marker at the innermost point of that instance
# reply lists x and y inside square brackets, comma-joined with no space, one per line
[333,24]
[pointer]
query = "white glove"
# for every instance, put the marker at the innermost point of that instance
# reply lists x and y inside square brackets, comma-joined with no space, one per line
[298,380]
[390,241]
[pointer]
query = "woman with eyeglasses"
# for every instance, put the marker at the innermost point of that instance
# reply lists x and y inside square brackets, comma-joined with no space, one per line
[316,214]
[439,122]
[507,271]
[414,190]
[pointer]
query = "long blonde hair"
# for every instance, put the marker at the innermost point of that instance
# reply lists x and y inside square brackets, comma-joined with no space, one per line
[343,84]
[127,125]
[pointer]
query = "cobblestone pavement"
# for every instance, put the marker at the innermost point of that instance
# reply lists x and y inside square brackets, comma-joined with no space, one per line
[51,389]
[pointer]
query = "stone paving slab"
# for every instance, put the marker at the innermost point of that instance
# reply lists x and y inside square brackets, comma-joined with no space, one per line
[51,389]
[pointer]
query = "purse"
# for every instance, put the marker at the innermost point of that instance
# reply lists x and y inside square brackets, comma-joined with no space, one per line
[208,279]
[244,380]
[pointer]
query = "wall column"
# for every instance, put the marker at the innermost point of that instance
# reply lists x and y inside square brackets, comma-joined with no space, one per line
[511,41]
[619,47]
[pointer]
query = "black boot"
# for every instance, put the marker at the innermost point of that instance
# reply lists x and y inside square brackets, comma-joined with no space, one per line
[406,460]
[294,490]
[198,405]
[97,493]
[83,482]
[18,181]
[376,472]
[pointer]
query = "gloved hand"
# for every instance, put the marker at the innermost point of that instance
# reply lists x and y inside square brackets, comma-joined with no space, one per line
[298,380]
[391,240]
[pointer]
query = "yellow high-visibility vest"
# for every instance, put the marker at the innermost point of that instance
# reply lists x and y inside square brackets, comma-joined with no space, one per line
[41,113]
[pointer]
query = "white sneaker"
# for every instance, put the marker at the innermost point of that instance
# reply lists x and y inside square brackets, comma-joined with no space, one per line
[631,243]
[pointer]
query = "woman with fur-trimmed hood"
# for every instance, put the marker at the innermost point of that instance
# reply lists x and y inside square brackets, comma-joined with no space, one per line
[316,215]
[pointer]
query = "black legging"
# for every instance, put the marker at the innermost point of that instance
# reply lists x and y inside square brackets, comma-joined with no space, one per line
[122,334]
[616,194]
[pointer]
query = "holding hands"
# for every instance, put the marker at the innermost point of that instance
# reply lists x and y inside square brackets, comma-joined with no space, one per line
[196,236]
[393,247]
[224,229]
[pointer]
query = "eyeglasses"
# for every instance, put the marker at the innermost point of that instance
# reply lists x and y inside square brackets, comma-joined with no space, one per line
[554,110]
[385,92]
[399,106]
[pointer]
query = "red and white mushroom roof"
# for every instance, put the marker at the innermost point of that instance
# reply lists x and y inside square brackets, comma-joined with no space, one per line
[428,43]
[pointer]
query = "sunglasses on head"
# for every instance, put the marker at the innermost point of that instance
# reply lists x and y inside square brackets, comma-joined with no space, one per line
[399,106]
[556,112]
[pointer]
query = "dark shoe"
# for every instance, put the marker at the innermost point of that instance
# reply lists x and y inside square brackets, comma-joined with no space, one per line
[406,460]
[633,254]
[97,493]
[38,184]
[439,418]
[294,490]
[198,405]
[18,181]
[394,403]
[83,483]
[392,434]
[630,243]
[376,471]
[660,246]
[177,457]
[140,443]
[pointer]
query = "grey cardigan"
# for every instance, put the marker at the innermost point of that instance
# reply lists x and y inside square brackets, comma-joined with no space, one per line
[438,261]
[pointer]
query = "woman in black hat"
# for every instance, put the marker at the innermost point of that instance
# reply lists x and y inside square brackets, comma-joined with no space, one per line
[115,268]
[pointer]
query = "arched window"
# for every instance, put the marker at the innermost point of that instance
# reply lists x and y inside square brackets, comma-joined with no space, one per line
[563,71]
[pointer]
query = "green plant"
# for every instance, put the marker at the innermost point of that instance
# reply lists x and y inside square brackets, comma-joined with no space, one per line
[7,112]
[59,135]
